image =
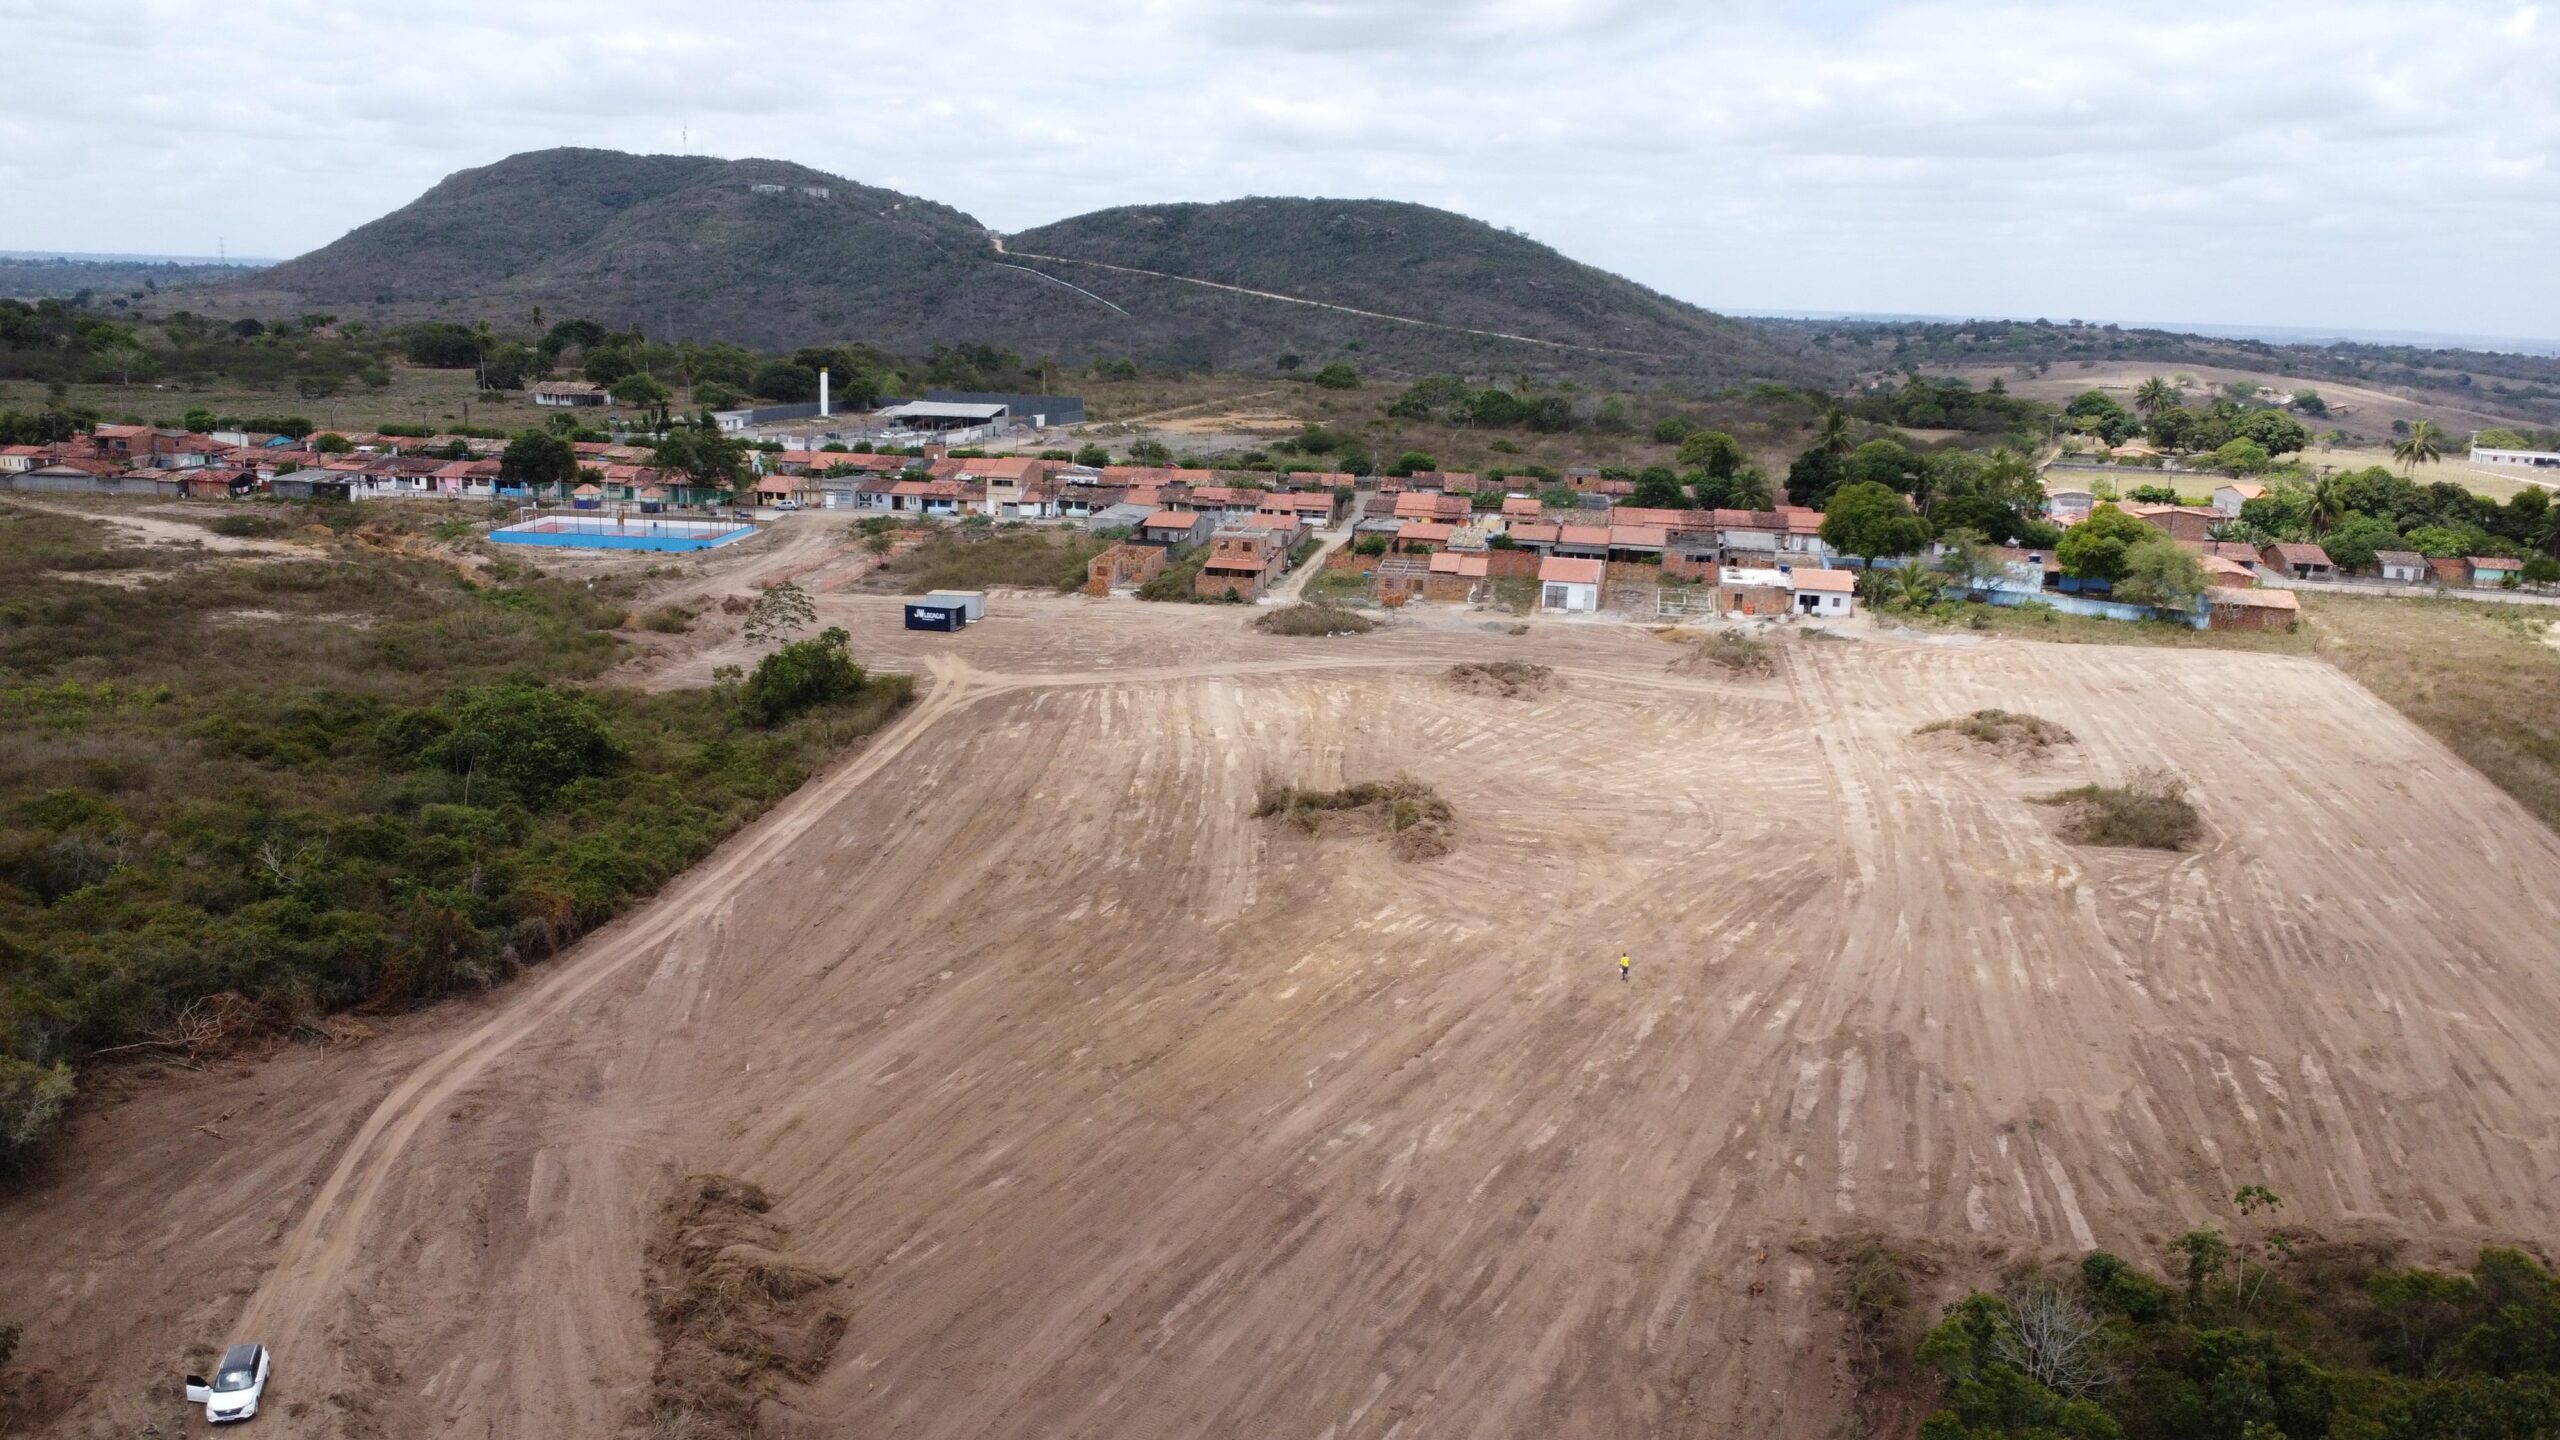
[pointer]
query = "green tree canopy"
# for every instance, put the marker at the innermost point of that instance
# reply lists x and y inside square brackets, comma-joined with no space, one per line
[1715,452]
[538,459]
[1867,519]
[1336,376]
[2160,571]
[2095,548]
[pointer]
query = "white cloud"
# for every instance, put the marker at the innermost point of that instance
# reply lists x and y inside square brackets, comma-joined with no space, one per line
[2359,163]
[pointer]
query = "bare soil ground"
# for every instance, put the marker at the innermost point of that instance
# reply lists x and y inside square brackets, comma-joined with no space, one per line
[1121,1113]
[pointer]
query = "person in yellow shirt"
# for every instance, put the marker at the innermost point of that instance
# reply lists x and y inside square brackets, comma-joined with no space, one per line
[1623,963]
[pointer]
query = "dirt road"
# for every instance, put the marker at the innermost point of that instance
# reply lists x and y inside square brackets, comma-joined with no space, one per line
[1125,1115]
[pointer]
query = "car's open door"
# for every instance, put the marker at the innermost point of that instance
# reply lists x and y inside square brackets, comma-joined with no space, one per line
[198,1391]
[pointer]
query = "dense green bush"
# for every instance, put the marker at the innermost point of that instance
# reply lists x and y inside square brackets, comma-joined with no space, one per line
[799,677]
[2277,1338]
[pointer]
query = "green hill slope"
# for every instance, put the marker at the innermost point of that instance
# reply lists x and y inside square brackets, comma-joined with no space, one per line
[771,254]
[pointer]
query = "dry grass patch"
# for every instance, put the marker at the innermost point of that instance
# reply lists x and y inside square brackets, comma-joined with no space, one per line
[1511,679]
[2478,676]
[1409,814]
[735,1312]
[1315,617]
[2151,811]
[2007,731]
[1732,653]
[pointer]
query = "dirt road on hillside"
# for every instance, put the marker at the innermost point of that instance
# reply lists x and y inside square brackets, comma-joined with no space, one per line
[1125,1115]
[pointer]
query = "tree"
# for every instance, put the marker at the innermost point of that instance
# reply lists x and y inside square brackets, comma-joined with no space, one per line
[538,460]
[2421,446]
[2158,571]
[1672,430]
[2357,538]
[2097,413]
[1867,520]
[1336,376]
[2501,438]
[2309,402]
[644,392]
[2095,548]
[1149,452]
[1093,456]
[2241,457]
[2155,396]
[1812,478]
[786,382]
[1889,463]
[332,443]
[2279,432]
[1713,451]
[799,676]
[1412,462]
[779,611]
[1658,489]
[1834,436]
[120,353]
[703,456]
[1970,558]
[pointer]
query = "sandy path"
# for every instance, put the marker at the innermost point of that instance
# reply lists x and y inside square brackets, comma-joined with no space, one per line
[1126,1116]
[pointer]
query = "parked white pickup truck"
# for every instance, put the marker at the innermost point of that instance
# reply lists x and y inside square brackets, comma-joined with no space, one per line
[237,1383]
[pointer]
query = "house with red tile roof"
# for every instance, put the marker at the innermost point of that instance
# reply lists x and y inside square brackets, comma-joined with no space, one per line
[2300,561]
[1569,586]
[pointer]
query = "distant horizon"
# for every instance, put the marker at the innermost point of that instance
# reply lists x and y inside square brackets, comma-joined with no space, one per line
[2209,329]
[2216,330]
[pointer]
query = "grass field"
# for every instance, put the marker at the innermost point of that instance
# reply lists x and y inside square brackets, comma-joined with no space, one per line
[2484,679]
[414,397]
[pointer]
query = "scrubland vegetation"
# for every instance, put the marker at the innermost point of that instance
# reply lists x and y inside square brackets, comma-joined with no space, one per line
[352,779]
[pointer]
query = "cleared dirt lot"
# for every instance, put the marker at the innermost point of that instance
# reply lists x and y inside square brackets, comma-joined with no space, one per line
[1125,1115]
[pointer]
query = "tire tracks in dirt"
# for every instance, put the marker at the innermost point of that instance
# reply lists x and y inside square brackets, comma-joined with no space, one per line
[323,1244]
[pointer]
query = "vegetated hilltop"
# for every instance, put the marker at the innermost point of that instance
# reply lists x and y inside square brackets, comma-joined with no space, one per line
[761,252]
[1404,260]
[774,255]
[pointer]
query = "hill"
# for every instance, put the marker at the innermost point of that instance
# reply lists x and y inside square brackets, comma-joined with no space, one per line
[1408,260]
[771,254]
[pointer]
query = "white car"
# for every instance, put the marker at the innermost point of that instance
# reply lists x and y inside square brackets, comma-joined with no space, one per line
[238,1382]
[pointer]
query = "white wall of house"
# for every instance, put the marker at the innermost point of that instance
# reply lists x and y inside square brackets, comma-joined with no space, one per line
[1567,597]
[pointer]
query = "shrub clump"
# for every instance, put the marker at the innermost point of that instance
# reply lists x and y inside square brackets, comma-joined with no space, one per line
[2006,730]
[1415,821]
[2149,812]
[733,1308]
[1315,617]
[800,676]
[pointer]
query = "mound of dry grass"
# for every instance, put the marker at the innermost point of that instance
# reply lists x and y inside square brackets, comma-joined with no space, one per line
[1409,814]
[735,1311]
[1733,653]
[2149,812]
[1314,617]
[2009,731]
[1512,679]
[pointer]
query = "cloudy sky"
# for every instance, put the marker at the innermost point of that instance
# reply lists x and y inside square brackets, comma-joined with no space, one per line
[2372,165]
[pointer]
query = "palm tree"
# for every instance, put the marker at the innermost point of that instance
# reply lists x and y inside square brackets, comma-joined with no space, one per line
[2153,396]
[1834,437]
[2549,539]
[2419,446]
[2328,505]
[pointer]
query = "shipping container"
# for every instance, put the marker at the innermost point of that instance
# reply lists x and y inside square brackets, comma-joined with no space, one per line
[972,603]
[935,615]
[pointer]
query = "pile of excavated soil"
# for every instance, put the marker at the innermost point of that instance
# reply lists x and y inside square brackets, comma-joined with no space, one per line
[1732,654]
[1409,815]
[1511,679]
[734,1310]
[2007,732]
